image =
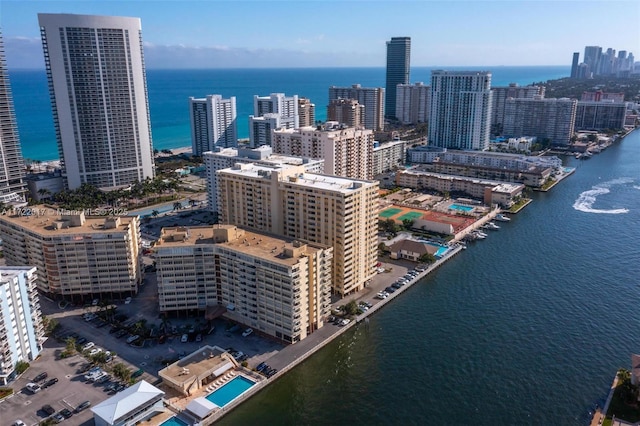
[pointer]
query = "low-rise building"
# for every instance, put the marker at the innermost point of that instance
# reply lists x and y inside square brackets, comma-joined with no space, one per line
[278,286]
[129,407]
[21,328]
[77,253]
[489,191]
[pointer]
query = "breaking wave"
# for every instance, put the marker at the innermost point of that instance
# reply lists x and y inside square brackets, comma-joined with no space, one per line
[585,200]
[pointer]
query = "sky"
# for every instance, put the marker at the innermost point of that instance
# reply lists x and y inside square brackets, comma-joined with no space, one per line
[346,33]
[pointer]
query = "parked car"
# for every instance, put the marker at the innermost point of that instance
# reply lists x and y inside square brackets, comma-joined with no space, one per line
[66,413]
[33,388]
[58,418]
[345,321]
[261,366]
[247,332]
[81,340]
[127,300]
[132,339]
[184,338]
[83,406]
[50,382]
[40,377]
[18,423]
[137,373]
[94,351]
[49,410]
[199,338]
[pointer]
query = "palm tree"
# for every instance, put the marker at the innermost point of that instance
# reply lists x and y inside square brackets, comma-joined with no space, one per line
[155,213]
[177,205]
[44,194]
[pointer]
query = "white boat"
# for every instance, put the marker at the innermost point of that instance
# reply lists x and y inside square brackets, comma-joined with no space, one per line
[502,218]
[491,226]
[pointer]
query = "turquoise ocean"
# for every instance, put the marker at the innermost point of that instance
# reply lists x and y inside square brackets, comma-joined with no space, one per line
[169,92]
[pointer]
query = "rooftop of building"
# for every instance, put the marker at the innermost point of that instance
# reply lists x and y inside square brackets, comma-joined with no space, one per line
[201,363]
[48,221]
[262,154]
[277,249]
[503,186]
[296,175]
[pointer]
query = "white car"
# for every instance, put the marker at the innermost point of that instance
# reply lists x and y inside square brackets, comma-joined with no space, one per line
[95,351]
[381,295]
[33,388]
[127,300]
[184,338]
[247,332]
[88,345]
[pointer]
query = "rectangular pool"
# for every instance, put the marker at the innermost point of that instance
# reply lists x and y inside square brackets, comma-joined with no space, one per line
[461,208]
[173,421]
[441,249]
[230,391]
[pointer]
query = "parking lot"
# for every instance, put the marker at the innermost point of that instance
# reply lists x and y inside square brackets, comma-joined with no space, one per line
[69,392]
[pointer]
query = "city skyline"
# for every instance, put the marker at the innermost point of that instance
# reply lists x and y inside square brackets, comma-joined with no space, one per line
[503,32]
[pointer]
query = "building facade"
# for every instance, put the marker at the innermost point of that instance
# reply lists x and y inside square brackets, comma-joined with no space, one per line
[213,123]
[276,285]
[328,210]
[413,103]
[21,328]
[552,119]
[600,115]
[261,128]
[306,112]
[371,97]
[346,111]
[95,68]
[500,96]
[347,151]
[398,70]
[278,103]
[12,185]
[388,156]
[460,115]
[77,256]
[225,158]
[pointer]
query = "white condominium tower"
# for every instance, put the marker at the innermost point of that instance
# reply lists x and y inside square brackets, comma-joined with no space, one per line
[460,115]
[329,210]
[12,185]
[276,110]
[213,123]
[95,68]
[21,328]
[412,103]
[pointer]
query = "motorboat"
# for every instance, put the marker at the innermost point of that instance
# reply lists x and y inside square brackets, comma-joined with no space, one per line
[491,226]
[502,218]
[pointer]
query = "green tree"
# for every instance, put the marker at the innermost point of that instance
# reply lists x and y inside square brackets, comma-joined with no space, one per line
[50,325]
[70,346]
[155,213]
[408,224]
[351,308]
[21,366]
[122,372]
[427,258]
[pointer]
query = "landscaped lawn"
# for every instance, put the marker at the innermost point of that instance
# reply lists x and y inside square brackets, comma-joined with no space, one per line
[621,410]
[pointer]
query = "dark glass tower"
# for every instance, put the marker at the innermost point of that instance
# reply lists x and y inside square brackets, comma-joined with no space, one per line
[574,65]
[398,60]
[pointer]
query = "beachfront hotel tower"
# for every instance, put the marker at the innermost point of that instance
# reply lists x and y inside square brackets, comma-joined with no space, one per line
[213,123]
[398,68]
[12,185]
[371,97]
[95,68]
[460,114]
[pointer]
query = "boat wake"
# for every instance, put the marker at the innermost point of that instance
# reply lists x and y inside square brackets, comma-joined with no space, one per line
[585,200]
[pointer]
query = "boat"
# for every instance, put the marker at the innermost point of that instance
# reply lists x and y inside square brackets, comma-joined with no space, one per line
[502,218]
[491,226]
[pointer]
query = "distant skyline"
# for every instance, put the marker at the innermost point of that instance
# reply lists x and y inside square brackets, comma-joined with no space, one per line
[351,33]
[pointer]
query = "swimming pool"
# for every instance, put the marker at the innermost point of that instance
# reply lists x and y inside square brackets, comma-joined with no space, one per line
[230,391]
[461,208]
[441,249]
[173,421]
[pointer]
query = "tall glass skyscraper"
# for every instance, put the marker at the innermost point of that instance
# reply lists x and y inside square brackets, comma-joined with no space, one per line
[460,116]
[398,63]
[95,68]
[12,185]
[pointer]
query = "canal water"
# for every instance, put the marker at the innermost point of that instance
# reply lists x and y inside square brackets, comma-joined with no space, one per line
[526,327]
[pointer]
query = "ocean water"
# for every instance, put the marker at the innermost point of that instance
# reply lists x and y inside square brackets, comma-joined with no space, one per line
[169,92]
[527,327]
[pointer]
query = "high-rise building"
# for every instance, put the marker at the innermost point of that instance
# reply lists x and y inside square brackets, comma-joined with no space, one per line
[346,111]
[329,210]
[347,151]
[574,64]
[599,115]
[371,97]
[260,129]
[12,184]
[225,158]
[21,328]
[551,118]
[276,285]
[460,115]
[306,113]
[77,257]
[95,68]
[213,123]
[593,58]
[501,94]
[278,103]
[412,103]
[388,156]
[398,69]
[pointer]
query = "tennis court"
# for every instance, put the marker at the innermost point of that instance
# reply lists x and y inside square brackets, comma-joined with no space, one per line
[390,212]
[411,216]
